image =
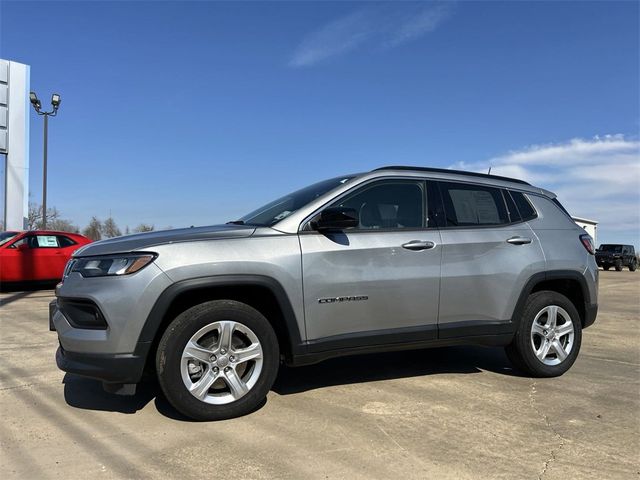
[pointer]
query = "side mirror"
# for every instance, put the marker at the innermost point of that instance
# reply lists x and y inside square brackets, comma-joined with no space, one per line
[336,218]
[23,247]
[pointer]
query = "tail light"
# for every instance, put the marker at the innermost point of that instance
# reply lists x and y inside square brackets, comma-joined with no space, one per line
[587,243]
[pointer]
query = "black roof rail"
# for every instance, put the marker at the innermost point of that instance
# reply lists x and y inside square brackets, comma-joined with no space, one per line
[447,170]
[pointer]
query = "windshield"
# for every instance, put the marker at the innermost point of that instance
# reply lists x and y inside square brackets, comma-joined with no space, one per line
[611,248]
[6,236]
[279,209]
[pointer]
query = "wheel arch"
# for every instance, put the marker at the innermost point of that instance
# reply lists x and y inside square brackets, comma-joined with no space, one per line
[265,294]
[569,283]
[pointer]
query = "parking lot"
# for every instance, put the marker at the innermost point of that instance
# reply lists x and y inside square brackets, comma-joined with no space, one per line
[444,413]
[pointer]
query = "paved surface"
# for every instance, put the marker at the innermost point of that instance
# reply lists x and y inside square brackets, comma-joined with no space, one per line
[457,413]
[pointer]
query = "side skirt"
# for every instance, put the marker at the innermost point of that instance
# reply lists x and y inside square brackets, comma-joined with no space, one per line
[413,338]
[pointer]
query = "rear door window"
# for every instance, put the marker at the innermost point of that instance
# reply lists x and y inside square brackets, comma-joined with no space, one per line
[473,205]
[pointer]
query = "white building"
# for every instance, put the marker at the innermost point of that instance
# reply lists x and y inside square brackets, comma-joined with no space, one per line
[14,142]
[591,226]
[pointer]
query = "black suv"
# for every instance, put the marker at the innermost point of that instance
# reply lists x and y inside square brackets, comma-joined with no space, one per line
[618,256]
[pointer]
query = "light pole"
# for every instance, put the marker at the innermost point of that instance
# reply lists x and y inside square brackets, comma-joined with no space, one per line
[55,103]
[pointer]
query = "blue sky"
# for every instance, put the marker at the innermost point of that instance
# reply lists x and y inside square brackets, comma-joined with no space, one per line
[181,113]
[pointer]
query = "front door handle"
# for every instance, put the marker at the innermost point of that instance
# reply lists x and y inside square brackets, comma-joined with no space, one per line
[519,240]
[418,245]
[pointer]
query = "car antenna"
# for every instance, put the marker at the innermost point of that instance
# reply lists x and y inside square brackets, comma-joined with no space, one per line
[489,172]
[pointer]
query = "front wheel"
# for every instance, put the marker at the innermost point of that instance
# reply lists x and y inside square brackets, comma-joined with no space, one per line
[618,266]
[549,336]
[606,267]
[217,360]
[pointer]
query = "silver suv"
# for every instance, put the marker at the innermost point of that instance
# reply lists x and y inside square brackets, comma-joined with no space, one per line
[397,258]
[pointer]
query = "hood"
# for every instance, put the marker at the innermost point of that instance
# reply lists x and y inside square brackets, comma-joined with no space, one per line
[141,241]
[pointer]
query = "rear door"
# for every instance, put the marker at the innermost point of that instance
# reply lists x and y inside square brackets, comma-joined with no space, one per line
[381,277]
[489,253]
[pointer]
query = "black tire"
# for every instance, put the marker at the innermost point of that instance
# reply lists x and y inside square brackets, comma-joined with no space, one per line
[633,266]
[180,331]
[521,352]
[606,268]
[618,266]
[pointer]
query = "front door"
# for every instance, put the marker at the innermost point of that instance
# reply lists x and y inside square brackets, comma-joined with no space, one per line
[45,257]
[382,277]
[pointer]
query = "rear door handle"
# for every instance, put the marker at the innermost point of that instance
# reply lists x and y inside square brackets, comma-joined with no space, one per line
[418,245]
[518,240]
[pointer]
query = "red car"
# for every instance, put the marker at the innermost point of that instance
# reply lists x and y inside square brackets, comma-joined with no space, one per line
[38,255]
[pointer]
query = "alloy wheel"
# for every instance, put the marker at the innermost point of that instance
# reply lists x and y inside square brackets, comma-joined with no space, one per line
[552,335]
[221,362]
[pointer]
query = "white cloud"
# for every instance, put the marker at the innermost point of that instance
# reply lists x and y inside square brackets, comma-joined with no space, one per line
[595,178]
[336,38]
[420,23]
[381,26]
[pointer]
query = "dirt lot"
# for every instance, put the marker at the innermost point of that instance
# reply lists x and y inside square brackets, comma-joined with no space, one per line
[446,413]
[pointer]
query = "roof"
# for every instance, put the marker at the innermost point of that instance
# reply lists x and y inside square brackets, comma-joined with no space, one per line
[47,232]
[453,172]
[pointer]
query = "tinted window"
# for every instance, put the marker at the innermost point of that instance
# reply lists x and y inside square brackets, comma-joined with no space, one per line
[469,205]
[389,204]
[611,248]
[514,215]
[38,241]
[527,212]
[22,241]
[65,241]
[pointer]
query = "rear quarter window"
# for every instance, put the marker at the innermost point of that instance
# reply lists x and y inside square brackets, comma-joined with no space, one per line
[65,241]
[512,210]
[526,210]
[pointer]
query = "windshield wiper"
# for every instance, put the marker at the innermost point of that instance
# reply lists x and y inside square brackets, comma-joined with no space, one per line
[236,222]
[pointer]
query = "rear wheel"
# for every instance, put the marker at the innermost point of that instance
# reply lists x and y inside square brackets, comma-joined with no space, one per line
[217,360]
[549,336]
[632,266]
[606,267]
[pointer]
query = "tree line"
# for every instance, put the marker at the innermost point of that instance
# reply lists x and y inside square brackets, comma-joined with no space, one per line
[97,229]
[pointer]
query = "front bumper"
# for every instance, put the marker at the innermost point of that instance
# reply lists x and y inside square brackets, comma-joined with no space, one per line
[602,261]
[111,368]
[53,306]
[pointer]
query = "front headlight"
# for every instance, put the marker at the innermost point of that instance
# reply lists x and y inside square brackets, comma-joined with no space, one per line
[110,265]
